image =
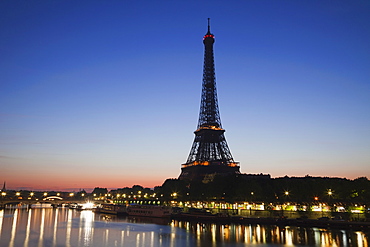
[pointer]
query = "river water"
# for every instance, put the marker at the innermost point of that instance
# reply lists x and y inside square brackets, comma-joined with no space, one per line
[72,228]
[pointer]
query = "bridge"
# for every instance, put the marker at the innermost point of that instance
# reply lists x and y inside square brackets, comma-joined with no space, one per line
[54,200]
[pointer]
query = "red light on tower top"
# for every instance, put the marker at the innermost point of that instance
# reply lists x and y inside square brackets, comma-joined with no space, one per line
[209,34]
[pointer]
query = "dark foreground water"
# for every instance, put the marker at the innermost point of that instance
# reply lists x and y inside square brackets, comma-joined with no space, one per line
[71,228]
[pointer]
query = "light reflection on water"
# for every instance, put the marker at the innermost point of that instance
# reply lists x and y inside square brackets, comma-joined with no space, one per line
[248,235]
[71,228]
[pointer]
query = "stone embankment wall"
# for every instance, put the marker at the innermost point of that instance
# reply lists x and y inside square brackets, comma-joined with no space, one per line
[293,214]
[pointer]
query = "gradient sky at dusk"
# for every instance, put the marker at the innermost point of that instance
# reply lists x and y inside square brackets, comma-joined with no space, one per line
[107,93]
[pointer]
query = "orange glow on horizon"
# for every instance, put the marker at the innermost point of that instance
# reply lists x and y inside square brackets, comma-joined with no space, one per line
[63,184]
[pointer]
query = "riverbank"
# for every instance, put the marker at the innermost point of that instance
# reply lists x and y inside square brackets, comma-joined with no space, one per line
[323,222]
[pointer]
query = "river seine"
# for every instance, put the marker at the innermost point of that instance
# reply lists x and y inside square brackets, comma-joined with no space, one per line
[72,228]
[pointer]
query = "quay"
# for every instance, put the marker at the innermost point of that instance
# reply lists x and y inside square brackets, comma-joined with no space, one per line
[324,222]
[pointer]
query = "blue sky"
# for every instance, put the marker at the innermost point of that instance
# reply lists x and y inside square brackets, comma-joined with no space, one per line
[107,93]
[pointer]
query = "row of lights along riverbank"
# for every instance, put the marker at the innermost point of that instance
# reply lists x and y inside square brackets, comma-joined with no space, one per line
[146,198]
[31,195]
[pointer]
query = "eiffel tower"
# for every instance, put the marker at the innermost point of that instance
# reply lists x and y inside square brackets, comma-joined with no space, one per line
[209,153]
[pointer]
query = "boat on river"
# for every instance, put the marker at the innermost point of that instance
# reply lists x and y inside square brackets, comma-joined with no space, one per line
[42,205]
[111,209]
[195,214]
[149,211]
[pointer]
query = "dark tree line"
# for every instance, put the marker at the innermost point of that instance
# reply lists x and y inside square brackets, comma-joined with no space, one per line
[242,187]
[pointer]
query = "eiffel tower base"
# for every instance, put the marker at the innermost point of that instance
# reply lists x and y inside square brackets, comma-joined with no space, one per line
[198,172]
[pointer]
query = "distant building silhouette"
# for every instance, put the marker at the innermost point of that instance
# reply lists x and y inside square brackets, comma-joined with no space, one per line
[209,154]
[99,191]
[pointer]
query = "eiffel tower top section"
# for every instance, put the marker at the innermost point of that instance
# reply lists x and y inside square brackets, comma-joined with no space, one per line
[209,114]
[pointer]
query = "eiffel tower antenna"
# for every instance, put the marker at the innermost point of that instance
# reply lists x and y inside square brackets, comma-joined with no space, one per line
[209,25]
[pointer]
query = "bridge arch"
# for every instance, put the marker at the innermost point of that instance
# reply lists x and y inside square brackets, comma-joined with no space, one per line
[52,198]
